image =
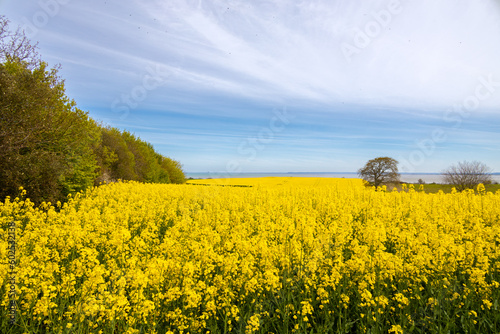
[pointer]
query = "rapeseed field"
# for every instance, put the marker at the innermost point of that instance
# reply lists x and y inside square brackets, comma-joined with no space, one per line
[264,255]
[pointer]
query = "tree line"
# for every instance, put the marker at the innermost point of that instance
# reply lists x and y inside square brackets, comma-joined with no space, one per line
[52,148]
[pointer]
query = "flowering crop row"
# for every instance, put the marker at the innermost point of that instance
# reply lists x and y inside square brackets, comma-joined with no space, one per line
[284,255]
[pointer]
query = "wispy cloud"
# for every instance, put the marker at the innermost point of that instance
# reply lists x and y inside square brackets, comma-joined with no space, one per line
[228,65]
[430,51]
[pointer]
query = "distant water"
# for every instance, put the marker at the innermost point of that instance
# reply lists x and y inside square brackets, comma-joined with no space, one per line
[405,177]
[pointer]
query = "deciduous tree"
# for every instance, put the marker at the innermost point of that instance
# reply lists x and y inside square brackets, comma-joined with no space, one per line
[45,141]
[52,148]
[15,45]
[379,171]
[467,175]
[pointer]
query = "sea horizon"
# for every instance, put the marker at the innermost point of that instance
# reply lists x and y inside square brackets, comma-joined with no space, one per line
[429,177]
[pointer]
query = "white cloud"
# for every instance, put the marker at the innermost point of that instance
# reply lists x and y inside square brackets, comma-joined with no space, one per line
[427,53]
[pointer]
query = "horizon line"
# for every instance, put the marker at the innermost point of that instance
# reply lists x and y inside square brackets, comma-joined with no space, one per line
[236,173]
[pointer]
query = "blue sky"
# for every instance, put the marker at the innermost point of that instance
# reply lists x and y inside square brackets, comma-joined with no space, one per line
[283,86]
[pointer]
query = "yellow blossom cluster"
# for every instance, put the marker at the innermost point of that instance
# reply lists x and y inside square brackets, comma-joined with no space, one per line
[263,255]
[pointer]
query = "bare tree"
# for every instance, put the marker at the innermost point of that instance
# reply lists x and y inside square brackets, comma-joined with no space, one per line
[467,175]
[15,45]
[380,171]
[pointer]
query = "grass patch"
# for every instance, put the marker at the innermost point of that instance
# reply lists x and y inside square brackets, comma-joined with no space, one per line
[432,188]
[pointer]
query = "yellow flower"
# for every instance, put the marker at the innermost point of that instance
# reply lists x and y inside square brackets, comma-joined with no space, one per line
[253,324]
[396,329]
[192,254]
[487,303]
